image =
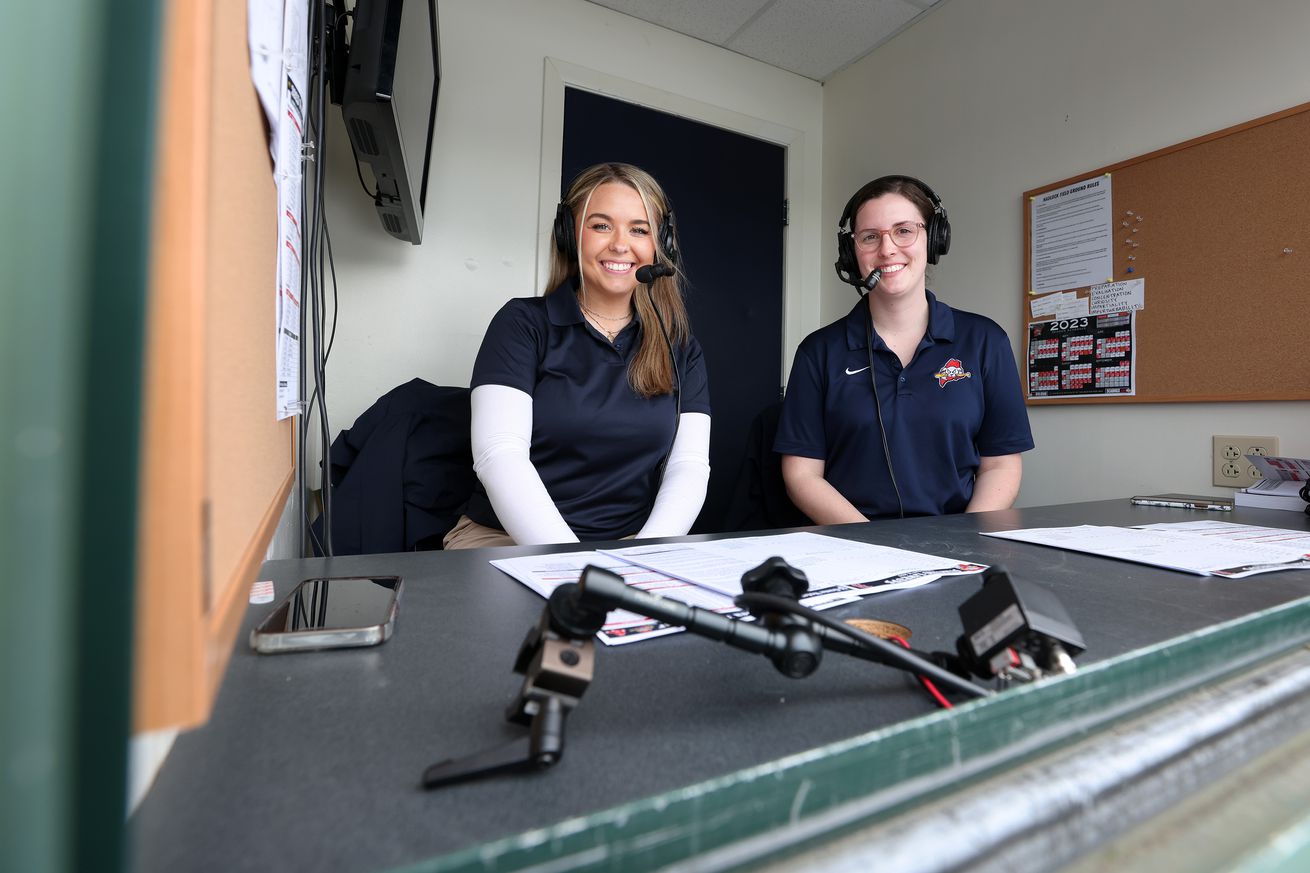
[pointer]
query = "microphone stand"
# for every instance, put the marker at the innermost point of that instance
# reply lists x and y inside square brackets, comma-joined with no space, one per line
[557,668]
[558,655]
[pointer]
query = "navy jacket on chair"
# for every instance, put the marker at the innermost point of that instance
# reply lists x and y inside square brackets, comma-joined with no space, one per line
[402,473]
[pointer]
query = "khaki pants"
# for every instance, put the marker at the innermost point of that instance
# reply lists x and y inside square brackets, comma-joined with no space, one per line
[468,534]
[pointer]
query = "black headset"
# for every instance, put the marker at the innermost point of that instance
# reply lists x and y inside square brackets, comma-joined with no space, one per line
[939,228]
[566,240]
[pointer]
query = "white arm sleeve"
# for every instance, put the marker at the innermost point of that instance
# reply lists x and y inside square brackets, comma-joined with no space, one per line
[682,492]
[501,433]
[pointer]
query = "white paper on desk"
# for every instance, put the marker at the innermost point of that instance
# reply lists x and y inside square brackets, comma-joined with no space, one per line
[1245,533]
[1169,549]
[826,561]
[544,573]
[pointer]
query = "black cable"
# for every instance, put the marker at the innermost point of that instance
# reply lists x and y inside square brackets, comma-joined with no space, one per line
[302,420]
[892,656]
[327,237]
[315,397]
[677,384]
[373,195]
[882,431]
[315,260]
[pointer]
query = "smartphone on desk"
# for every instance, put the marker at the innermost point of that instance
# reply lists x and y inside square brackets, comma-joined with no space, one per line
[1185,501]
[326,613]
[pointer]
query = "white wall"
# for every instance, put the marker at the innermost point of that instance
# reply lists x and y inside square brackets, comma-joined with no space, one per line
[421,311]
[985,100]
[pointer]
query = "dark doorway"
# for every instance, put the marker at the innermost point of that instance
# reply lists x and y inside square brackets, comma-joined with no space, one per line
[727,192]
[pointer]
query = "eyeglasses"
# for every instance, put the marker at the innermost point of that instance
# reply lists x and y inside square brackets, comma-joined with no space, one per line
[903,234]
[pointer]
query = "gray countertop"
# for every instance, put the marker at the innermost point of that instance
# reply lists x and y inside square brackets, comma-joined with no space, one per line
[312,761]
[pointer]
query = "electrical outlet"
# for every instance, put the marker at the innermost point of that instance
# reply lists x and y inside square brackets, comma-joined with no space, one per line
[1228,458]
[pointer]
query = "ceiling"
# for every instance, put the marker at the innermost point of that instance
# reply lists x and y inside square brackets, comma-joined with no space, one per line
[812,38]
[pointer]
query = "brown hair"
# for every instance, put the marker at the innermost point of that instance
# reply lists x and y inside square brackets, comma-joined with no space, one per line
[651,371]
[909,188]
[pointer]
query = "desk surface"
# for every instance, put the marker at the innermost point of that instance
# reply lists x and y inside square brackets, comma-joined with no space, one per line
[312,760]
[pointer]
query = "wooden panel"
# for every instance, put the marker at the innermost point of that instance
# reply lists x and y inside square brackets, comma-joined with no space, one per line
[216,465]
[1226,306]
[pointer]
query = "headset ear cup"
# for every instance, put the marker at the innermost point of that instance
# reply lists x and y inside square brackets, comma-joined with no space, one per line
[669,239]
[939,238]
[564,235]
[848,268]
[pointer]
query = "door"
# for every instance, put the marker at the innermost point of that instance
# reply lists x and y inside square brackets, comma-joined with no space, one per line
[727,191]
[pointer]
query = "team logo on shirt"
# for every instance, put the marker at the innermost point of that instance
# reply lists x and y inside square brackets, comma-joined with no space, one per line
[951,371]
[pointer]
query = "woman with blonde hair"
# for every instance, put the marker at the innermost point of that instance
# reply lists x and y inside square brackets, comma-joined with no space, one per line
[590,403]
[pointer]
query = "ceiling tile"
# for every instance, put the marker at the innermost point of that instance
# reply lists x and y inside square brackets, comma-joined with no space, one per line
[713,21]
[815,38]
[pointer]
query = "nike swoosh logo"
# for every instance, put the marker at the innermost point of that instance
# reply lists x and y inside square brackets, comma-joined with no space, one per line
[850,372]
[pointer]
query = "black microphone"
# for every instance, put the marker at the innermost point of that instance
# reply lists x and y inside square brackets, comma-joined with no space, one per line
[650,272]
[866,285]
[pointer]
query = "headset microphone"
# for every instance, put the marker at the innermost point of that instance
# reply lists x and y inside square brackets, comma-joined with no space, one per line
[872,279]
[650,272]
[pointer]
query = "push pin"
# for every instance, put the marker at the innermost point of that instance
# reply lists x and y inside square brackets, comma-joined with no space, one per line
[1139,218]
[1287,250]
[1130,269]
[1129,212]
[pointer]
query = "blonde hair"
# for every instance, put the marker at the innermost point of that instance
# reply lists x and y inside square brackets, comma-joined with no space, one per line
[650,372]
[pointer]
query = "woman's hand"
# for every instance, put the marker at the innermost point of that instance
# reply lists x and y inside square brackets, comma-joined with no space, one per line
[814,495]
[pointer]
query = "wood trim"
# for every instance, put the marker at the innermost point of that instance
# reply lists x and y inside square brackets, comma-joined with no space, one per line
[172,476]
[216,467]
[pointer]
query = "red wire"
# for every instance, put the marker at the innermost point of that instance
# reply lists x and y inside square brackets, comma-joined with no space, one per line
[927,683]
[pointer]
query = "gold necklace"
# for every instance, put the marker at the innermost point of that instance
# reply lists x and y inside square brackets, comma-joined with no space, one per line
[594,314]
[611,334]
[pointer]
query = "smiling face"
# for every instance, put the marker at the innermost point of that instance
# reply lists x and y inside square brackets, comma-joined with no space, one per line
[615,237]
[902,268]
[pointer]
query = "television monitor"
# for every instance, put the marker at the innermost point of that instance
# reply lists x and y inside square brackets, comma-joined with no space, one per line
[389,103]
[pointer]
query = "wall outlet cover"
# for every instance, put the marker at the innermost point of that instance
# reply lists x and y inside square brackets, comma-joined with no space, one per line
[1228,458]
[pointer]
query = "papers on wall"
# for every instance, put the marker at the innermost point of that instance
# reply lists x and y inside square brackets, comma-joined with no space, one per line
[1061,305]
[1071,236]
[1191,547]
[708,574]
[1111,298]
[277,31]
[1085,356]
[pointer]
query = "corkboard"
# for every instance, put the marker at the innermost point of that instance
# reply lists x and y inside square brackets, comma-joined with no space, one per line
[1227,314]
[216,465]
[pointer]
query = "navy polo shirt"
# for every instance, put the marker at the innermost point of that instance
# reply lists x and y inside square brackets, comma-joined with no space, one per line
[959,399]
[596,445]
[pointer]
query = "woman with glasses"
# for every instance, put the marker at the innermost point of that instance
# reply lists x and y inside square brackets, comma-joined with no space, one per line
[906,406]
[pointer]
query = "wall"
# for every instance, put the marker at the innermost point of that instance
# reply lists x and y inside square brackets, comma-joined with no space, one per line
[421,311]
[987,100]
